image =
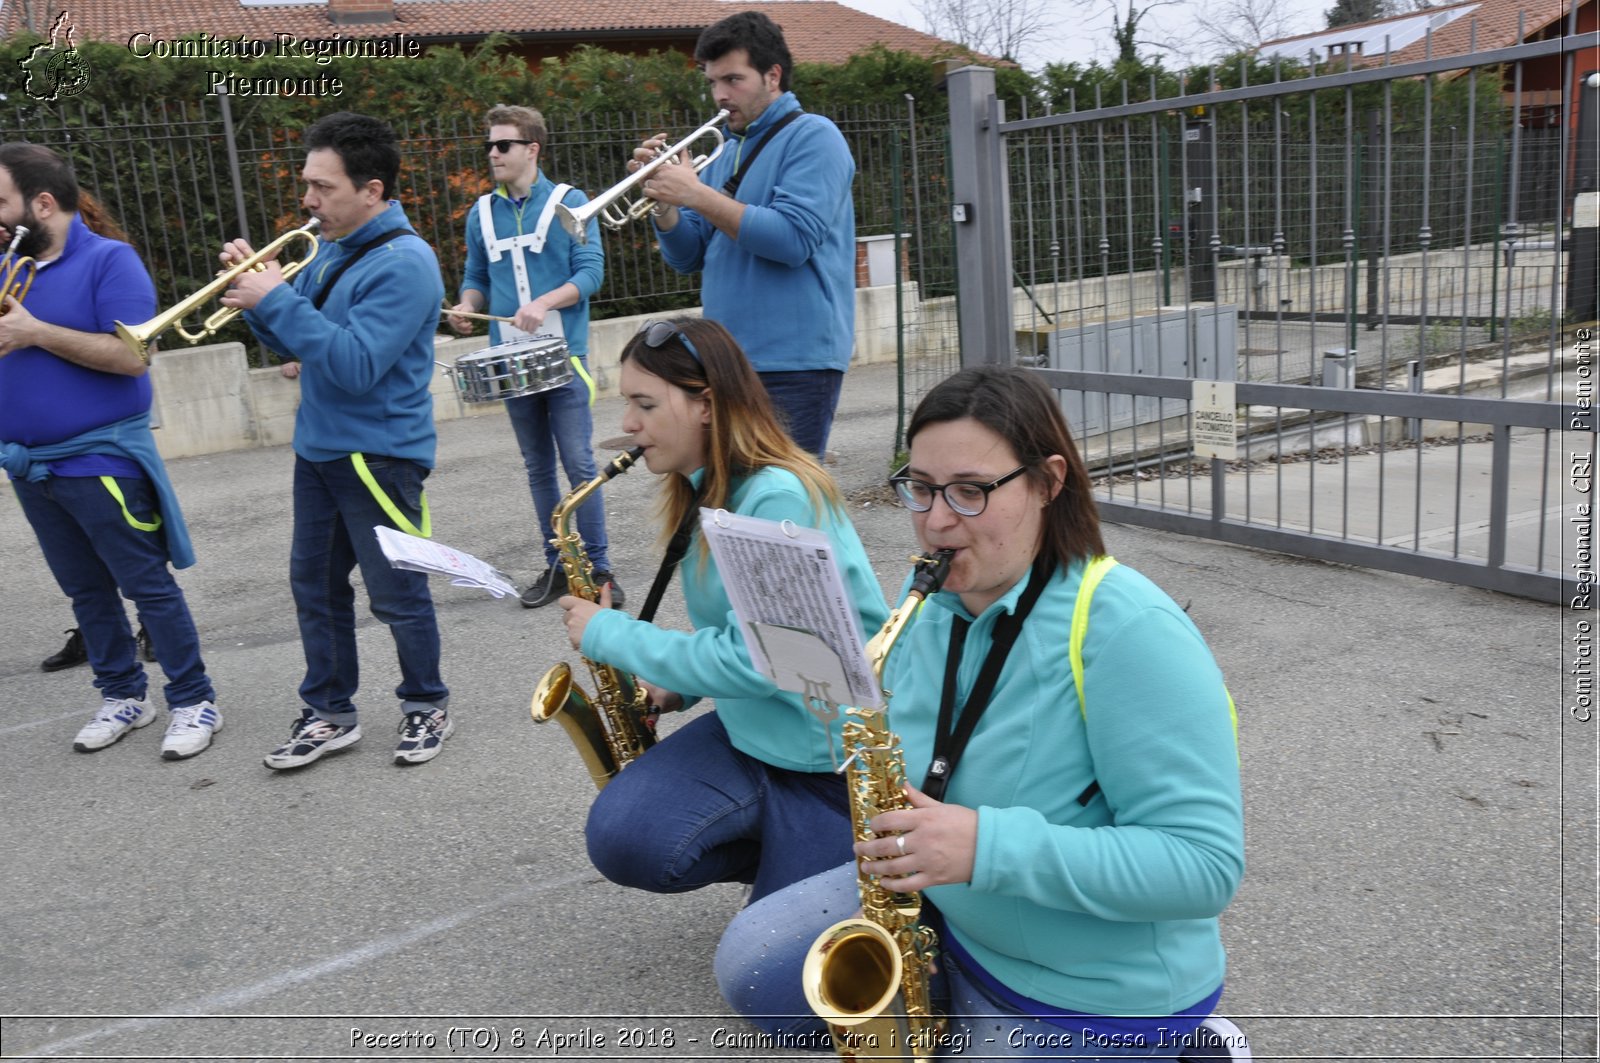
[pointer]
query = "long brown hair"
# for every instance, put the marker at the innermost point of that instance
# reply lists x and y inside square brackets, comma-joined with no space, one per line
[744,434]
[1015,405]
[98,218]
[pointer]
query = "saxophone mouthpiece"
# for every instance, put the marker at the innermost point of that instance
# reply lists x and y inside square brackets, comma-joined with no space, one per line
[931,573]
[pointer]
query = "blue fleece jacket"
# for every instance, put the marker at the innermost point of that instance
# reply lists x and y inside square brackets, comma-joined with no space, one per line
[563,259]
[762,721]
[786,288]
[367,356]
[1108,908]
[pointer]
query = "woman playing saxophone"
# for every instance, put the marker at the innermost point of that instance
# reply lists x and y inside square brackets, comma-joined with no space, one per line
[746,793]
[1073,844]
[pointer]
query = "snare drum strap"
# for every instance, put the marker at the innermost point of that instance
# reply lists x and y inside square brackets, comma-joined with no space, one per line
[533,243]
[387,504]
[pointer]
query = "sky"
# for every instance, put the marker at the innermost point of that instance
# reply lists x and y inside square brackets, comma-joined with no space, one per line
[1081,30]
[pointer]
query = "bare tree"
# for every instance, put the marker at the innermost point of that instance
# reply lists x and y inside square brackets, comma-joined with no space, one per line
[1001,28]
[1228,27]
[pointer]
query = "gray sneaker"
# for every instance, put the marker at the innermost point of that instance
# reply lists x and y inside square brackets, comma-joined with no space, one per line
[117,716]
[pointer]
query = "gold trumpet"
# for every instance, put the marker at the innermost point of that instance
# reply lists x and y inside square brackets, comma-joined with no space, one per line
[614,209]
[139,337]
[14,283]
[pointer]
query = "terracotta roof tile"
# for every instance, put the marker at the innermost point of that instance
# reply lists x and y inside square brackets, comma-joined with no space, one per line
[817,30]
[1494,23]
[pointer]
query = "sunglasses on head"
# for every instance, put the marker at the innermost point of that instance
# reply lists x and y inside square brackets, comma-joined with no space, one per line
[504,146]
[657,333]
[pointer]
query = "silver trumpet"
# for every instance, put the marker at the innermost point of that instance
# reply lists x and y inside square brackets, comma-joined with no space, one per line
[613,207]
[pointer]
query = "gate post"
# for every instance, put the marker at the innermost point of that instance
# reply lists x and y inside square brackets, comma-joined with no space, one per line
[982,218]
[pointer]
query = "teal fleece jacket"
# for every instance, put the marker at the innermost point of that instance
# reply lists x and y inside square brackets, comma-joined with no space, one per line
[366,358]
[762,721]
[1108,908]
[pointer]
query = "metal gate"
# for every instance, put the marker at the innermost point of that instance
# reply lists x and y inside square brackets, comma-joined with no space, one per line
[1328,315]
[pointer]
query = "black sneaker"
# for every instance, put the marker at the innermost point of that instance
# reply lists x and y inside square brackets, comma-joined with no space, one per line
[146,650]
[310,738]
[618,598]
[70,656]
[546,589]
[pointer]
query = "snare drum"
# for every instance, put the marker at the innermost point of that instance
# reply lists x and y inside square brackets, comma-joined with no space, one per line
[518,367]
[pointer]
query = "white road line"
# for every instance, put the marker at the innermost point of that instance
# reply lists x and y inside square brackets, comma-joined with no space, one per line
[372,950]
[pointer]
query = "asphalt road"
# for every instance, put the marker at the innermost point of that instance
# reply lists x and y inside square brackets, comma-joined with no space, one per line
[1421,811]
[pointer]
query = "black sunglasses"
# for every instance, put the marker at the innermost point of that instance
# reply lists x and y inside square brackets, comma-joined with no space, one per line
[657,333]
[503,146]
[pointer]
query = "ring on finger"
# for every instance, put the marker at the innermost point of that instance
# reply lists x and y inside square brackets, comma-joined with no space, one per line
[900,843]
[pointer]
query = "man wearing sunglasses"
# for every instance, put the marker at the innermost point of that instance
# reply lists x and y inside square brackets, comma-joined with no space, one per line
[521,266]
[769,224]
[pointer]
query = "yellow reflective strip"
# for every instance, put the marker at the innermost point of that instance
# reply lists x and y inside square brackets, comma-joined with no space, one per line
[577,364]
[393,511]
[116,493]
[1093,573]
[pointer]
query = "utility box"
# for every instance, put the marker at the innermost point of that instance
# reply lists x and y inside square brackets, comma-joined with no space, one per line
[1201,342]
[1339,368]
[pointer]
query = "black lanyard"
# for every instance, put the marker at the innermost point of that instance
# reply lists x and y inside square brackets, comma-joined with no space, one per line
[732,186]
[677,546]
[948,746]
[352,259]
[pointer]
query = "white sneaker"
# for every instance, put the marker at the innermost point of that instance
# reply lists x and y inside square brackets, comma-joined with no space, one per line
[190,730]
[117,716]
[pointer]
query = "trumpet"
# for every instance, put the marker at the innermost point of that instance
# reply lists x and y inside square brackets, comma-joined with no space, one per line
[612,207]
[14,282]
[139,337]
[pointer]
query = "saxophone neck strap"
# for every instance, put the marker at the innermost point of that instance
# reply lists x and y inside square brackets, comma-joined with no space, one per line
[677,547]
[949,743]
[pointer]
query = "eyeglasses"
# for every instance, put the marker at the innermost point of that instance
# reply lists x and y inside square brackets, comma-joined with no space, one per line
[657,333]
[504,146]
[964,497]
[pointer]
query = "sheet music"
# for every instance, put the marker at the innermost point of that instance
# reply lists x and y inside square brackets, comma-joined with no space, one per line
[425,555]
[780,575]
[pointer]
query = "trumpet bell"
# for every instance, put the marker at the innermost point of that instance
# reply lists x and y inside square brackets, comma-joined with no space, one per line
[613,207]
[139,337]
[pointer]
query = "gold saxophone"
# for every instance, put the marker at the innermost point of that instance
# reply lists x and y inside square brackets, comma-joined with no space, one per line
[867,977]
[610,729]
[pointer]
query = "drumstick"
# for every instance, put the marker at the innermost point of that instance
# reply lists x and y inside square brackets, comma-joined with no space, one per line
[446,311]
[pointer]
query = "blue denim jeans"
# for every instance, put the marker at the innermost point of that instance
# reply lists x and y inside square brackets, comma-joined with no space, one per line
[805,401]
[334,517]
[97,557]
[761,954]
[555,422]
[694,811]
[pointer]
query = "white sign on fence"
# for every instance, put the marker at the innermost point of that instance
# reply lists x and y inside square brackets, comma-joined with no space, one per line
[1215,421]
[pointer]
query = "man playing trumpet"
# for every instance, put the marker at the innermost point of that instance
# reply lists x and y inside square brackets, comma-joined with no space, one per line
[75,438]
[769,224]
[360,319]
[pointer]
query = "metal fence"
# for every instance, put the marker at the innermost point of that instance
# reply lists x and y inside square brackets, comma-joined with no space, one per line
[183,178]
[1369,293]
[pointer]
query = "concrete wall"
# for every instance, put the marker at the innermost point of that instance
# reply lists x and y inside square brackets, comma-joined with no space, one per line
[208,400]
